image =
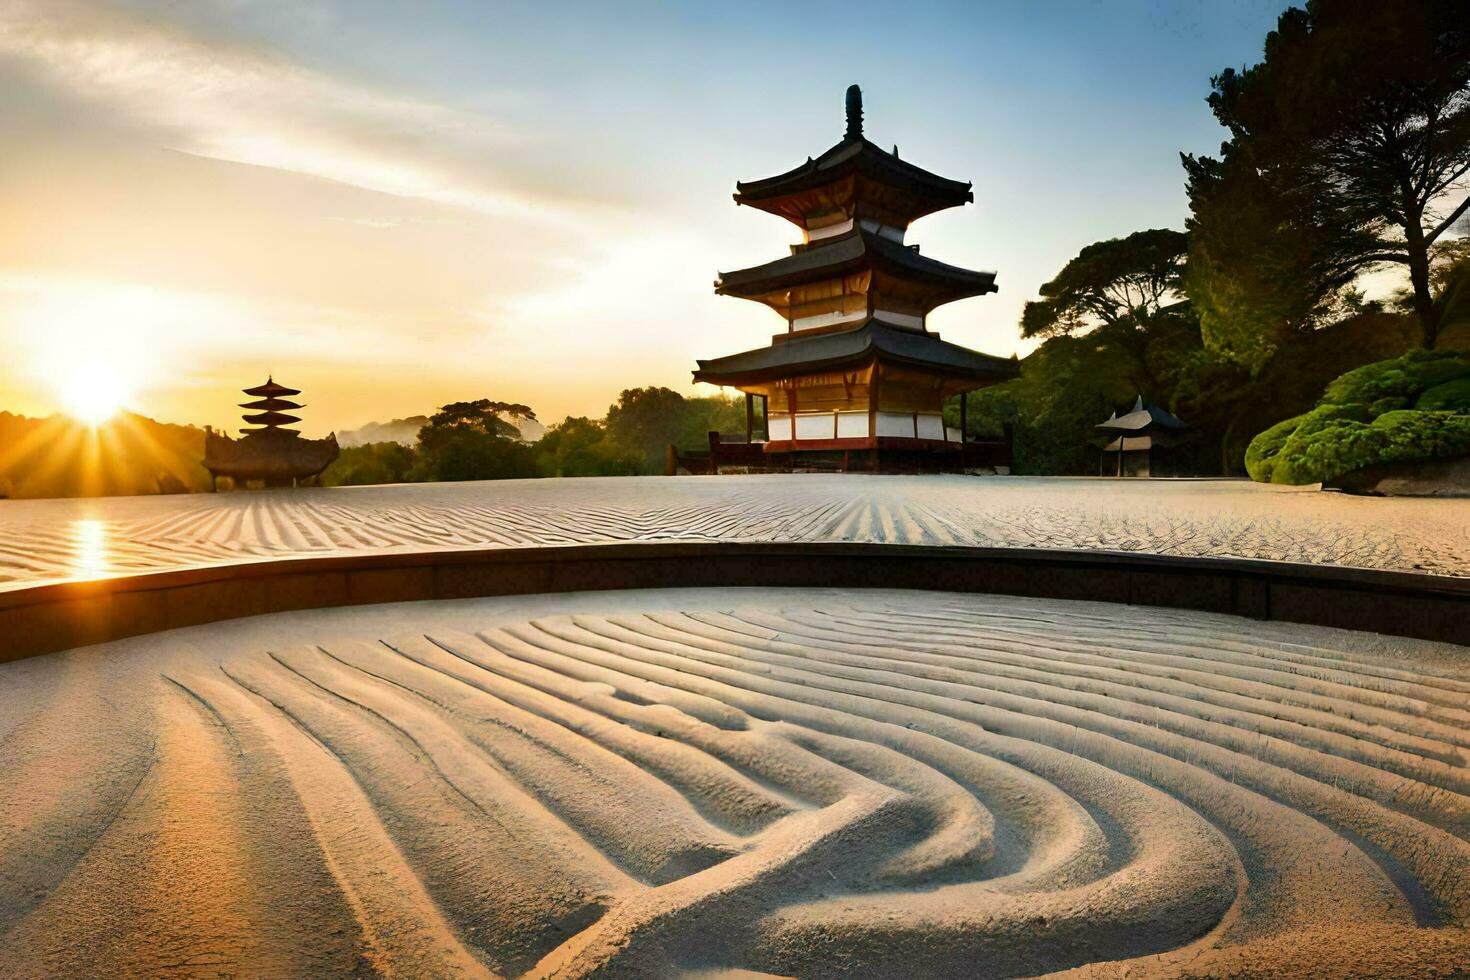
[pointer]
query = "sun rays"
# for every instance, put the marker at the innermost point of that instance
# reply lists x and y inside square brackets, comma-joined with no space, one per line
[122,454]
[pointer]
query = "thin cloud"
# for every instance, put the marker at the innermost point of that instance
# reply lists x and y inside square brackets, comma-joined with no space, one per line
[226,100]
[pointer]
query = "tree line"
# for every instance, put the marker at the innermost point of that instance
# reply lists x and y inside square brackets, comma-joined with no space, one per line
[478,440]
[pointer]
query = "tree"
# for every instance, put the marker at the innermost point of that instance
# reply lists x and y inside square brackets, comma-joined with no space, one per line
[581,447]
[1257,275]
[471,441]
[1121,282]
[1357,124]
[482,415]
[1115,291]
[1067,386]
[1114,329]
[647,420]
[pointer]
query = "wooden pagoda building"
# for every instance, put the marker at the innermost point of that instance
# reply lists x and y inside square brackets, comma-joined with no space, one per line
[1143,443]
[856,375]
[271,454]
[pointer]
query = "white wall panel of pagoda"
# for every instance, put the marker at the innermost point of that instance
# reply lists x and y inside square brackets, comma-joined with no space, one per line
[820,426]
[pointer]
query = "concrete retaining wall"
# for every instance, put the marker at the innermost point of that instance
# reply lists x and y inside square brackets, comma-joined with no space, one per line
[48,618]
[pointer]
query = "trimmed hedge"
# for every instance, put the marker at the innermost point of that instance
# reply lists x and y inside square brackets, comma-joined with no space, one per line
[1409,408]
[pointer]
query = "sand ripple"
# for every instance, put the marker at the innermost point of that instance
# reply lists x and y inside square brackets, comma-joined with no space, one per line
[54,540]
[874,784]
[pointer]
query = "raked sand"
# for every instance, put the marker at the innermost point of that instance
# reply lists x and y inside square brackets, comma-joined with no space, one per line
[57,540]
[812,783]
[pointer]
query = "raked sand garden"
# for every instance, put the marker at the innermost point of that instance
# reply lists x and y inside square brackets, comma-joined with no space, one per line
[58,540]
[693,782]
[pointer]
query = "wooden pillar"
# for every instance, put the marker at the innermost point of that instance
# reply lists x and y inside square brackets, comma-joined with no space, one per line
[791,401]
[1122,446]
[875,384]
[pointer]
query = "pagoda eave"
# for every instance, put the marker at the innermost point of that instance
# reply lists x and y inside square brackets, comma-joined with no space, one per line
[276,456]
[271,419]
[272,404]
[872,341]
[851,203]
[853,252]
[1145,419]
[271,390]
[855,158]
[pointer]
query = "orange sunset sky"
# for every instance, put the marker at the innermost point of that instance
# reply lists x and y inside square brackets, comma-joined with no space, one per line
[396,205]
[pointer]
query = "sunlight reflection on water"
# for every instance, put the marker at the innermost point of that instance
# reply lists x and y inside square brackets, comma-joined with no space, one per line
[89,548]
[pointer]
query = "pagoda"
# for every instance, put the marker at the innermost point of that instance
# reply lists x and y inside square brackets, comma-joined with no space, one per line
[270,454]
[1145,435]
[857,376]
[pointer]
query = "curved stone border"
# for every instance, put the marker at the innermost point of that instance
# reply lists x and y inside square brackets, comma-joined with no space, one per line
[49,618]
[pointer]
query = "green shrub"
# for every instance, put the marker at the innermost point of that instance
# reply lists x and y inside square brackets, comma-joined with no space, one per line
[1400,378]
[1260,455]
[1452,396]
[1406,409]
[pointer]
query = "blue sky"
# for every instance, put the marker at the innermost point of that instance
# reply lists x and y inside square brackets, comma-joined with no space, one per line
[398,204]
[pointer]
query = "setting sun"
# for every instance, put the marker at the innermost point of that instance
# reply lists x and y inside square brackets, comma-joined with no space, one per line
[93,393]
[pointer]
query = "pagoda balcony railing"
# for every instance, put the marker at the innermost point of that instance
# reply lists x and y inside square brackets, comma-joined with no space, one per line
[822,426]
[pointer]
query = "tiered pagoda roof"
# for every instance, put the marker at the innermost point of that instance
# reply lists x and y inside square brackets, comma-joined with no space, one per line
[271,454]
[854,179]
[856,251]
[853,289]
[851,348]
[272,405]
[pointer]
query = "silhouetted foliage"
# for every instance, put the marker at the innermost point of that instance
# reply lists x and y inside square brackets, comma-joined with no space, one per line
[470,441]
[646,420]
[1115,330]
[482,415]
[1121,282]
[1349,149]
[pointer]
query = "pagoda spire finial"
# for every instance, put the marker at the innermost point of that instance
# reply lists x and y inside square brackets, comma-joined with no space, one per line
[854,113]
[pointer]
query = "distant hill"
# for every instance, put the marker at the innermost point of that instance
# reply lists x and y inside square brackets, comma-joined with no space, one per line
[131,454]
[406,431]
[403,431]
